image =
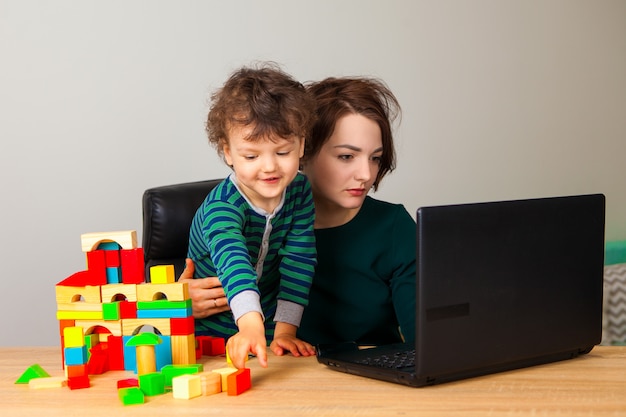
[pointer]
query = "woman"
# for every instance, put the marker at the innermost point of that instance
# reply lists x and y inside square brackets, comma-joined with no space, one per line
[364,284]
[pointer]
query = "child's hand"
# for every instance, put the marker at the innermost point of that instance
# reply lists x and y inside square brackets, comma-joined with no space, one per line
[285,340]
[250,339]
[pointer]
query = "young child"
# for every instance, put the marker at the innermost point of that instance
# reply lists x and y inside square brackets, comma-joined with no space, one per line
[255,229]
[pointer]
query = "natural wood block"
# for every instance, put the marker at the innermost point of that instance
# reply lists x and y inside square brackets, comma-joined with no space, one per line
[87,294]
[186,387]
[47,382]
[130,325]
[118,292]
[177,291]
[211,383]
[183,349]
[127,239]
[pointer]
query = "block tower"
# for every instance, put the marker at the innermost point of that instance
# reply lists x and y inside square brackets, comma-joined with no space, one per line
[102,308]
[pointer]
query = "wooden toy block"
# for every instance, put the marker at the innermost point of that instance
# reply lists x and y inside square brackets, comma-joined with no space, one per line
[79,315]
[130,325]
[171,371]
[162,313]
[99,359]
[131,395]
[177,291]
[73,337]
[80,306]
[211,383]
[78,382]
[162,274]
[186,387]
[116,353]
[128,309]
[96,264]
[182,326]
[152,383]
[113,275]
[112,258]
[183,349]
[100,326]
[128,382]
[32,372]
[145,352]
[80,279]
[133,268]
[109,245]
[86,294]
[72,371]
[224,372]
[47,382]
[118,292]
[75,355]
[211,345]
[127,239]
[111,311]
[164,305]
[239,382]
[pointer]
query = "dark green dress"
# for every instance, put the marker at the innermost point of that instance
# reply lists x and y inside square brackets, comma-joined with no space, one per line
[364,284]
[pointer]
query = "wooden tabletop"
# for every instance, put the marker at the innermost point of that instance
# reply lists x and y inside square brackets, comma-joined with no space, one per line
[590,385]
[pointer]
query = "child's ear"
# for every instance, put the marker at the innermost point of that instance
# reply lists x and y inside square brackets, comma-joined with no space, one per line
[301,152]
[227,155]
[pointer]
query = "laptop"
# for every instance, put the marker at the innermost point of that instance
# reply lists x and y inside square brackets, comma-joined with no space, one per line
[500,285]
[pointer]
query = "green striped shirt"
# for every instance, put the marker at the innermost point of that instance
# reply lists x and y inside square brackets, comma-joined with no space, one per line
[265,261]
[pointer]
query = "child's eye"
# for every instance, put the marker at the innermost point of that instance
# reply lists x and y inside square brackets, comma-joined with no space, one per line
[283,153]
[249,157]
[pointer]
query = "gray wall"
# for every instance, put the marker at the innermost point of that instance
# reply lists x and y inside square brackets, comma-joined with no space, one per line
[100,100]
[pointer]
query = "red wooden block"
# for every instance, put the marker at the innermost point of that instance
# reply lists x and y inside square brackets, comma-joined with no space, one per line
[133,268]
[127,383]
[182,326]
[96,264]
[116,353]
[99,359]
[79,279]
[78,382]
[218,346]
[239,381]
[128,309]
[112,258]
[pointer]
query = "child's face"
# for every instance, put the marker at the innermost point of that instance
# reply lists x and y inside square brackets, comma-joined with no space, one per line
[263,167]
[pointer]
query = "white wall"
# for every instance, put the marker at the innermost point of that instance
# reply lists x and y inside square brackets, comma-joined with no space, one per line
[100,100]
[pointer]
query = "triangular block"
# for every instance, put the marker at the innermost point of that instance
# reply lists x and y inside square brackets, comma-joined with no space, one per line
[33,371]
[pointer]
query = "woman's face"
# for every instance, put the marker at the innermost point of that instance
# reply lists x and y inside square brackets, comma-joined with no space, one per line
[345,168]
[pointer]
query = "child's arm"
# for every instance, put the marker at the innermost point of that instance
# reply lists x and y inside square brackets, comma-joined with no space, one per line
[250,338]
[285,340]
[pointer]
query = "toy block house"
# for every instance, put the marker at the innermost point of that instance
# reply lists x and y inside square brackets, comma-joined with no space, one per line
[103,309]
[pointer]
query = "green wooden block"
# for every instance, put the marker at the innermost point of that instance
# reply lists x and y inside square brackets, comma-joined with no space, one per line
[171,371]
[33,371]
[131,395]
[111,311]
[152,383]
[163,304]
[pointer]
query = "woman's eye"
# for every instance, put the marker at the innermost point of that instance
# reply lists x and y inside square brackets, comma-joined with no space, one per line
[345,157]
[377,158]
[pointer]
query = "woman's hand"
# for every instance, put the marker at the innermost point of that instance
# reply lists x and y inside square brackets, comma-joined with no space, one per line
[207,295]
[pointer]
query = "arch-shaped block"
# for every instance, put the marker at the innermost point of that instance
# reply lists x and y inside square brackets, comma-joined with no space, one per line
[127,239]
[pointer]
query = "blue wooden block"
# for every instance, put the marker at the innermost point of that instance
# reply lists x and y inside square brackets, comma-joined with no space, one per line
[75,355]
[114,275]
[164,313]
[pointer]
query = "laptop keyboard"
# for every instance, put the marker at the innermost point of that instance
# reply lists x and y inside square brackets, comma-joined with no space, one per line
[395,360]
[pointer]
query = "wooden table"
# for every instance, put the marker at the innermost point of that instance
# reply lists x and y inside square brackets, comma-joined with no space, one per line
[591,385]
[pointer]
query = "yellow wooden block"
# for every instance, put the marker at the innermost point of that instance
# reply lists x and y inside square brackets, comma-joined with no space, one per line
[162,274]
[114,327]
[211,382]
[118,292]
[47,382]
[73,337]
[88,294]
[183,349]
[127,239]
[79,315]
[186,387]
[130,325]
[229,362]
[178,291]
[224,372]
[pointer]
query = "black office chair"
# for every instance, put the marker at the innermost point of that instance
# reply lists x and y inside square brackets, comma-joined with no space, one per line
[167,214]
